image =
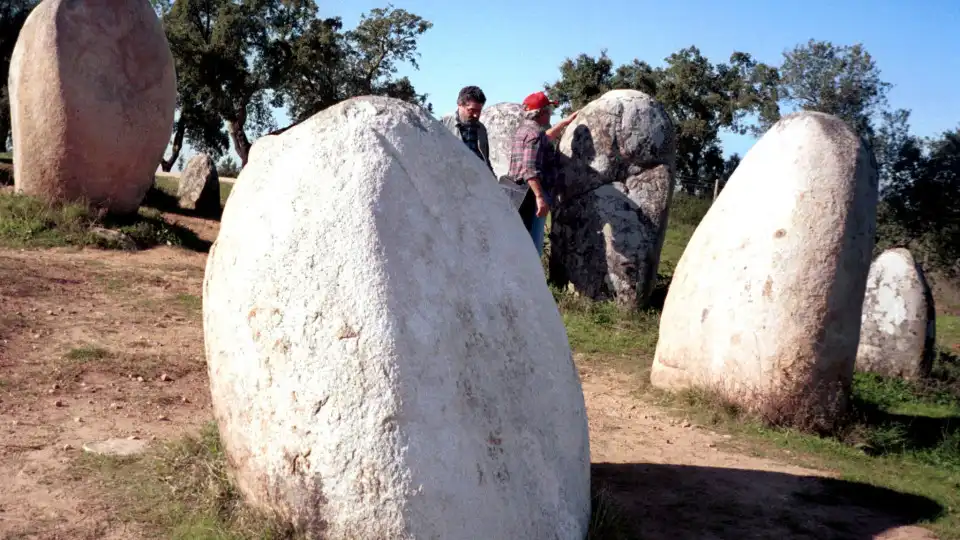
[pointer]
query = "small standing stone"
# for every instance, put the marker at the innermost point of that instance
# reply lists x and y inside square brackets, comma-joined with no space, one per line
[898,325]
[200,185]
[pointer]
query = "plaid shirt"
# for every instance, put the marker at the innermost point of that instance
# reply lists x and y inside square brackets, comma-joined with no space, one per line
[532,157]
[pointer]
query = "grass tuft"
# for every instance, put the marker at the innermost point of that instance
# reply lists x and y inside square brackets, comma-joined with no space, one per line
[183,490]
[87,353]
[27,222]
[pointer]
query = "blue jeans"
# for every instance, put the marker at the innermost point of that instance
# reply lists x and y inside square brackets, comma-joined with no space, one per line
[536,231]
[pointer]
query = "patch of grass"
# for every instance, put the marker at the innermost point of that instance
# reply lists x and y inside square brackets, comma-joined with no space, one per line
[876,455]
[87,353]
[6,157]
[948,331]
[604,332]
[607,521]
[189,302]
[26,222]
[182,490]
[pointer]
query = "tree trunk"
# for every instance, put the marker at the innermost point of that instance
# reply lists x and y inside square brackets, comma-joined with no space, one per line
[239,137]
[181,127]
[4,123]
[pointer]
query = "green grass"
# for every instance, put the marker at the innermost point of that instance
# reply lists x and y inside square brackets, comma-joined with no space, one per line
[902,435]
[87,353]
[26,222]
[183,491]
[190,302]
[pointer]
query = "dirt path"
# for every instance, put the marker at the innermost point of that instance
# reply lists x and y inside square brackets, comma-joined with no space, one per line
[95,345]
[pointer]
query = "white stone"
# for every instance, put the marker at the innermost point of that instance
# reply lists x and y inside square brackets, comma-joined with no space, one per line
[765,302]
[116,447]
[385,358]
[501,121]
[898,332]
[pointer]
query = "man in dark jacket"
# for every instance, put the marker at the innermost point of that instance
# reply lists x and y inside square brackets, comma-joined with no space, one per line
[465,122]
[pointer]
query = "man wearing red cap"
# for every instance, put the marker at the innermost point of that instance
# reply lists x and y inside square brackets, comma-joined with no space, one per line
[533,162]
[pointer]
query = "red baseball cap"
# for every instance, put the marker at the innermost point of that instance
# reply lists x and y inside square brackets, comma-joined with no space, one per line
[537,100]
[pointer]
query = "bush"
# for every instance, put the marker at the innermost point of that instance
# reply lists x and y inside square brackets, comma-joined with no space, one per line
[686,209]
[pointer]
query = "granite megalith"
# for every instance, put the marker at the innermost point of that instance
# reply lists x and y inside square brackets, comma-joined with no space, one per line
[765,303]
[199,187]
[92,96]
[610,214]
[898,331]
[385,358]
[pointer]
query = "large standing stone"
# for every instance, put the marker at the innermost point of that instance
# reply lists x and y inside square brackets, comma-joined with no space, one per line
[199,187]
[501,121]
[385,358]
[765,302]
[610,216]
[92,93]
[898,332]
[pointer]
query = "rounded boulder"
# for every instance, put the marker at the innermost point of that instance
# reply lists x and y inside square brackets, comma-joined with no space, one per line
[765,303]
[92,94]
[898,330]
[385,358]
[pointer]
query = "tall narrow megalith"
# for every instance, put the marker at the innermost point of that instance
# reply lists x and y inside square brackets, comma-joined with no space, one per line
[765,302]
[92,97]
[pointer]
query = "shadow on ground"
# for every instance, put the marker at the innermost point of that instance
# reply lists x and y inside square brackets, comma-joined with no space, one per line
[160,200]
[669,502]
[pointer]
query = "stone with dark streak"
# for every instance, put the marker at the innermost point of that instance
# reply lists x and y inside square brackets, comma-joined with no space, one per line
[199,187]
[610,214]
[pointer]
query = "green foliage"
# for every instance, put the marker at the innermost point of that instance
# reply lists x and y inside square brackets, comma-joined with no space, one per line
[13,13]
[332,65]
[840,80]
[228,168]
[919,209]
[236,59]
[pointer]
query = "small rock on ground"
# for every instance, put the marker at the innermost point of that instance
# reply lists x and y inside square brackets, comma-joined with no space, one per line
[116,447]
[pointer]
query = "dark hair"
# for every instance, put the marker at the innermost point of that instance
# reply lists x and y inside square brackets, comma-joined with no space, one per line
[471,93]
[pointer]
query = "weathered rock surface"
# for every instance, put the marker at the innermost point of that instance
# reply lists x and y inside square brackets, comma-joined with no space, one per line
[898,325]
[92,93]
[610,217]
[199,187]
[766,300]
[501,121]
[116,447]
[385,358]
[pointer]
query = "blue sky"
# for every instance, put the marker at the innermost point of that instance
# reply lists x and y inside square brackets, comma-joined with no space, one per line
[510,48]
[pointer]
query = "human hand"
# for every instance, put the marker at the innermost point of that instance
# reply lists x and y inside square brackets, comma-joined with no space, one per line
[542,207]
